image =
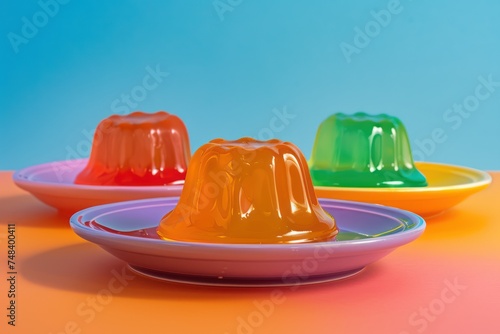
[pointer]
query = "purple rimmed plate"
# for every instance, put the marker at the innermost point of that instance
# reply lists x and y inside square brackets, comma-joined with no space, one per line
[54,184]
[127,230]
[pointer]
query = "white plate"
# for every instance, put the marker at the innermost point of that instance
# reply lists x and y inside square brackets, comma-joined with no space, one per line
[128,231]
[53,184]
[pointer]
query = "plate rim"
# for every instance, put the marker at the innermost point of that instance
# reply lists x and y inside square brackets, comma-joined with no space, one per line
[22,179]
[75,224]
[484,180]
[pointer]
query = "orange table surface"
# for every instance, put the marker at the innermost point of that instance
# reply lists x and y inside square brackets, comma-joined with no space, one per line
[447,281]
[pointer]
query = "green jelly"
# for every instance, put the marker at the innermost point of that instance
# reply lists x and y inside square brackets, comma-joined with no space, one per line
[363,150]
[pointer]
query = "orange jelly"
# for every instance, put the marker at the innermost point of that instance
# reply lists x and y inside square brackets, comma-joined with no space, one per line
[248,191]
[138,149]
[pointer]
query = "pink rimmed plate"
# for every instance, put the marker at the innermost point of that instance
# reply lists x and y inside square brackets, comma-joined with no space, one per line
[128,231]
[53,184]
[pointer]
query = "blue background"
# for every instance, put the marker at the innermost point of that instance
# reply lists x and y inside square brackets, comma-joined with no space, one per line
[234,64]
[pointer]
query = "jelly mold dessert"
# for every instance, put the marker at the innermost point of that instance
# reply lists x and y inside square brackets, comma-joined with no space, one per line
[138,149]
[250,192]
[363,150]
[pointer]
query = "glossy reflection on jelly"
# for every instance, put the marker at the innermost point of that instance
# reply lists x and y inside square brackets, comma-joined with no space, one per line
[248,191]
[138,149]
[363,150]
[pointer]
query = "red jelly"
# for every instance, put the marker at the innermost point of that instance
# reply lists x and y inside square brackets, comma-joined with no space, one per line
[138,149]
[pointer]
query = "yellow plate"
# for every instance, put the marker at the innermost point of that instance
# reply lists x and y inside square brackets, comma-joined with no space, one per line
[447,186]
